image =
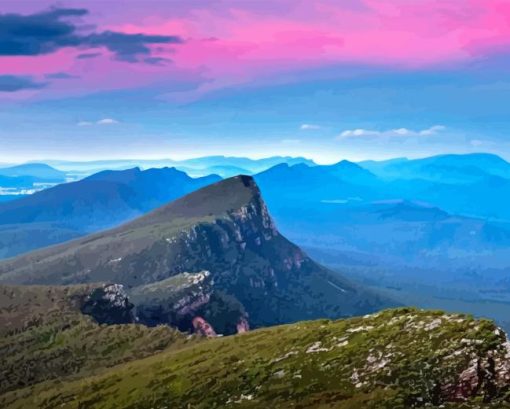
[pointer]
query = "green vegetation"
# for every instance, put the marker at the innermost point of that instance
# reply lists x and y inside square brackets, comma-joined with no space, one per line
[400,358]
[44,336]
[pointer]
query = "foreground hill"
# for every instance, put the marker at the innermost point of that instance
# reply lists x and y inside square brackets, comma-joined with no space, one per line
[254,274]
[97,202]
[395,359]
[53,332]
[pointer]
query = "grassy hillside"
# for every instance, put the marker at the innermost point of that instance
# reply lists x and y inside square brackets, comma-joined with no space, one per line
[395,359]
[44,336]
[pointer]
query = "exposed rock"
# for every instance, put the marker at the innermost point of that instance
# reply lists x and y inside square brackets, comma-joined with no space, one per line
[203,328]
[109,304]
[177,300]
[243,325]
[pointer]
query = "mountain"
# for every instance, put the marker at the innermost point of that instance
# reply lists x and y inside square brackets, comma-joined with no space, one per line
[347,207]
[400,232]
[422,239]
[102,200]
[225,166]
[342,181]
[257,276]
[39,171]
[449,168]
[252,165]
[21,180]
[404,358]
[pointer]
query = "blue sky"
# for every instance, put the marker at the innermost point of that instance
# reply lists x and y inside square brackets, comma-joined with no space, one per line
[133,104]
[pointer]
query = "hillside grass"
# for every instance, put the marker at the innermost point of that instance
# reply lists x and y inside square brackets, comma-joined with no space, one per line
[394,359]
[44,336]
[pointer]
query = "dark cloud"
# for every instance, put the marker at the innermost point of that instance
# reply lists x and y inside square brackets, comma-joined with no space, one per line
[60,76]
[13,83]
[157,60]
[88,55]
[128,47]
[49,31]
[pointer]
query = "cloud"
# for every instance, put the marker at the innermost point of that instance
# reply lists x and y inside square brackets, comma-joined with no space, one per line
[107,121]
[49,31]
[309,127]
[396,132]
[13,83]
[104,121]
[60,76]
[85,56]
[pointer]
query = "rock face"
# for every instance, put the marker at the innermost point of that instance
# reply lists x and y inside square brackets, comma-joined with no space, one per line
[203,328]
[256,275]
[178,300]
[109,304]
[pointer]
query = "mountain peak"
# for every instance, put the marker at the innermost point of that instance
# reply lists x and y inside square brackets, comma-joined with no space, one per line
[213,200]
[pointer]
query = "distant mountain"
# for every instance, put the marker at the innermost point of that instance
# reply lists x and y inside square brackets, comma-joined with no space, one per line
[225,166]
[99,201]
[255,276]
[342,181]
[39,171]
[347,209]
[21,180]
[252,165]
[399,233]
[450,168]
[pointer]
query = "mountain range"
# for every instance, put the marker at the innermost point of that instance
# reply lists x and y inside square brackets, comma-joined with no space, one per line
[225,166]
[130,316]
[448,168]
[220,237]
[418,228]
[412,219]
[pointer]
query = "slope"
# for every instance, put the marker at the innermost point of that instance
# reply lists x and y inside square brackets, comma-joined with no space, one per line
[54,332]
[396,359]
[102,200]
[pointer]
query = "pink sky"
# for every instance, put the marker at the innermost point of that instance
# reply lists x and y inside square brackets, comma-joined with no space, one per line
[227,42]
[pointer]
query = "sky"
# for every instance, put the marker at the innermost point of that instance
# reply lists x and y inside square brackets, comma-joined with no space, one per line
[328,79]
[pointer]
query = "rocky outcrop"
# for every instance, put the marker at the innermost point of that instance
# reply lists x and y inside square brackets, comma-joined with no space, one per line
[178,300]
[109,304]
[243,325]
[486,373]
[203,328]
